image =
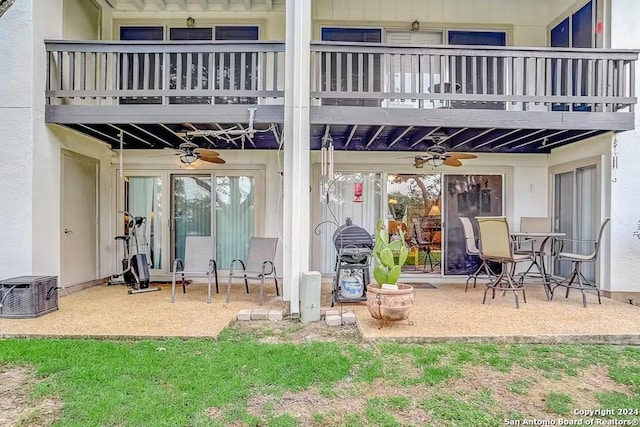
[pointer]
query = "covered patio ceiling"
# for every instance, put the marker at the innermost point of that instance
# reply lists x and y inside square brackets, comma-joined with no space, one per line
[353,137]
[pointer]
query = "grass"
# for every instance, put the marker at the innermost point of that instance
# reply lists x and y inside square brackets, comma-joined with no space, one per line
[238,381]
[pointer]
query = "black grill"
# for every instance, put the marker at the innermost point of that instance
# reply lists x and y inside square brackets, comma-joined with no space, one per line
[352,236]
[355,247]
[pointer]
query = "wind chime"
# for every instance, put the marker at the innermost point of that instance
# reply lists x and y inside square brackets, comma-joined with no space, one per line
[326,152]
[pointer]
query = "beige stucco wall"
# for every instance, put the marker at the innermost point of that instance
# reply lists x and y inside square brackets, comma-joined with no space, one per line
[524,20]
[81,20]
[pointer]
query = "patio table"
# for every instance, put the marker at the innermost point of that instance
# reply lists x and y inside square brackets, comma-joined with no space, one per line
[545,237]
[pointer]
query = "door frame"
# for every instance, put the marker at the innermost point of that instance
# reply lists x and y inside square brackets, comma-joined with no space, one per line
[257,171]
[64,153]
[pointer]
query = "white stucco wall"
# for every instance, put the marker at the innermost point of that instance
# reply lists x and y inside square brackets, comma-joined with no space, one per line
[16,139]
[525,19]
[558,7]
[80,20]
[625,198]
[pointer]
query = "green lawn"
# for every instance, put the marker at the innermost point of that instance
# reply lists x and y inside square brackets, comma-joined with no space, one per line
[243,380]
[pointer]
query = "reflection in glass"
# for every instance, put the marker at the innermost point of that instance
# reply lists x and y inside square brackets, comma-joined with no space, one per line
[191,209]
[143,197]
[338,204]
[470,196]
[235,217]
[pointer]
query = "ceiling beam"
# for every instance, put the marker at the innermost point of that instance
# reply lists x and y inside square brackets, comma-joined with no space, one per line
[351,133]
[478,135]
[418,137]
[167,143]
[225,4]
[90,129]
[373,135]
[581,136]
[119,129]
[397,136]
[542,138]
[247,4]
[498,138]
[269,4]
[517,139]
[173,132]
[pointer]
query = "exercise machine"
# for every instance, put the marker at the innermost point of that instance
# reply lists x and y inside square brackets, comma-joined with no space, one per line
[135,262]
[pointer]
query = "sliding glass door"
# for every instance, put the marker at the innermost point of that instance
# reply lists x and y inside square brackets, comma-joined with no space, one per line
[143,198]
[234,217]
[575,213]
[469,196]
[192,215]
[354,195]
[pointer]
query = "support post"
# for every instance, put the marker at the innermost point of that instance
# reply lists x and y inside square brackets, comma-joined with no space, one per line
[296,204]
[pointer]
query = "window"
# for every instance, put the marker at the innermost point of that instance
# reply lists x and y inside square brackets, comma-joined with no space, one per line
[369,79]
[190,71]
[479,73]
[130,61]
[576,30]
[236,77]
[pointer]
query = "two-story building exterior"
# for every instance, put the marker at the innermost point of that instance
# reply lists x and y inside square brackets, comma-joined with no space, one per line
[316,107]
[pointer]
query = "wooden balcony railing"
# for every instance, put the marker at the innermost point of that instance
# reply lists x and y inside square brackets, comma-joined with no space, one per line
[133,72]
[478,77]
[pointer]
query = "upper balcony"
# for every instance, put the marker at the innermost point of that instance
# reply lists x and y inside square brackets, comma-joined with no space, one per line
[378,97]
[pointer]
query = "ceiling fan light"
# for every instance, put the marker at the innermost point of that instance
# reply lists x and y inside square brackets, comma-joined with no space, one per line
[188,158]
[435,161]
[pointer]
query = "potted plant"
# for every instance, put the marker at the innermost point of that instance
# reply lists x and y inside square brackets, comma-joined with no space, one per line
[389,300]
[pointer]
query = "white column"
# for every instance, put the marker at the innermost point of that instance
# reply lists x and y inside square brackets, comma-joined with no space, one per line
[16,139]
[296,224]
[625,200]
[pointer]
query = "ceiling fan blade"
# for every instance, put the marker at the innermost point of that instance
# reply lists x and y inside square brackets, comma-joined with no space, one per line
[205,152]
[212,159]
[419,162]
[452,161]
[462,155]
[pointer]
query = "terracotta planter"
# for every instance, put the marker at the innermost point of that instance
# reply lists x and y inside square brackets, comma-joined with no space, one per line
[390,305]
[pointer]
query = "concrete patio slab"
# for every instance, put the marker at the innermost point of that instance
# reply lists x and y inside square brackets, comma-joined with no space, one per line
[443,314]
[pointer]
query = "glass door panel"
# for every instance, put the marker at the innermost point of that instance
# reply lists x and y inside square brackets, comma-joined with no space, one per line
[575,201]
[192,214]
[413,203]
[143,197]
[235,217]
[563,214]
[342,199]
[470,196]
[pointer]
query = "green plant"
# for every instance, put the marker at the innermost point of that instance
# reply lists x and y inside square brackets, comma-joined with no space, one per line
[386,270]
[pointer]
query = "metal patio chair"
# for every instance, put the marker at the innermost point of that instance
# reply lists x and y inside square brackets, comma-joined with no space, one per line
[471,248]
[496,246]
[259,265]
[199,261]
[576,279]
[534,245]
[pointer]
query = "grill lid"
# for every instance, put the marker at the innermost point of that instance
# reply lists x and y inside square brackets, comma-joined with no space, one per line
[352,237]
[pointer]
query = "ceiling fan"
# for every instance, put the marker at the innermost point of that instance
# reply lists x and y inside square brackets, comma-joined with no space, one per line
[190,152]
[437,155]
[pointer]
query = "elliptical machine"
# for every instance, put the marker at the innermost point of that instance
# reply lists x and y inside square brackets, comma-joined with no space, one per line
[135,263]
